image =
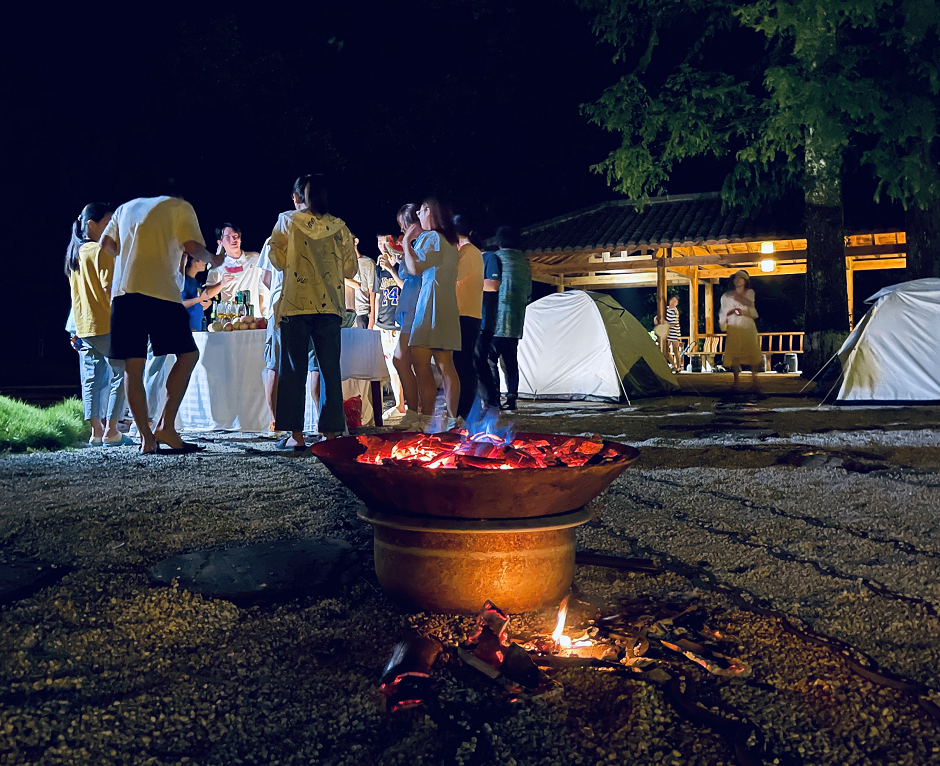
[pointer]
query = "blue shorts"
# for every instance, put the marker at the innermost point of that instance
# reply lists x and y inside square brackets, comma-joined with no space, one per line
[272,350]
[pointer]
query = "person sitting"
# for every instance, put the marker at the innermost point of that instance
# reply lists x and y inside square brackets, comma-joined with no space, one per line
[90,269]
[148,237]
[196,299]
[314,251]
[239,271]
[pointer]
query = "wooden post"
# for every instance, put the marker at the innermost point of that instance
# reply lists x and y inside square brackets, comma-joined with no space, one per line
[709,308]
[693,309]
[561,283]
[850,290]
[661,282]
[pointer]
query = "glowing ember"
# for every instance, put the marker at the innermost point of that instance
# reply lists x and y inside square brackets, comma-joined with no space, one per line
[483,450]
[558,635]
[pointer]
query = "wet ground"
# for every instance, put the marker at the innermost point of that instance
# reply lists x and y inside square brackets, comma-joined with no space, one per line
[828,516]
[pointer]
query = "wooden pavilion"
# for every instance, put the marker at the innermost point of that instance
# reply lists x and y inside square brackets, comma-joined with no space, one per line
[686,240]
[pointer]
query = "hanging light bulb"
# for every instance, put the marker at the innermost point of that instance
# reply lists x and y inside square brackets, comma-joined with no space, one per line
[766,248]
[767,265]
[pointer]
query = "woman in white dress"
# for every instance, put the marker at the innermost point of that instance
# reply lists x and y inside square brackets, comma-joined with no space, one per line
[435,330]
[742,345]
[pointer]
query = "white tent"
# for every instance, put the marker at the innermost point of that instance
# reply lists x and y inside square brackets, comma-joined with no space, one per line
[893,353]
[585,346]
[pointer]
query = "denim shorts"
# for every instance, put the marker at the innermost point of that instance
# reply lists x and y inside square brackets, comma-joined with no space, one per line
[272,350]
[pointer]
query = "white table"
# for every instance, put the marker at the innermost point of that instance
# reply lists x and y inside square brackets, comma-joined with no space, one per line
[226,391]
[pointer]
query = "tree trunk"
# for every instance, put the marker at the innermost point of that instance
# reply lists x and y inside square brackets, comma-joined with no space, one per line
[923,242]
[827,304]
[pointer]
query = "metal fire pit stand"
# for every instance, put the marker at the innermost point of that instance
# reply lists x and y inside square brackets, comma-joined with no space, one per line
[454,565]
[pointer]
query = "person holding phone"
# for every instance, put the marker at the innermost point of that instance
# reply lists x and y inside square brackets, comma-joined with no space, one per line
[736,317]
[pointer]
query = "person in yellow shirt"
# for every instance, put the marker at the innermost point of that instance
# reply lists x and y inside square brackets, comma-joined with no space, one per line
[89,270]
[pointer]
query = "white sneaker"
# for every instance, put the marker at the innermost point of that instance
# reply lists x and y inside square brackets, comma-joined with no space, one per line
[392,414]
[411,421]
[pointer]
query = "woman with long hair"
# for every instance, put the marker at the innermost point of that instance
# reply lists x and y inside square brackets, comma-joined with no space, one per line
[89,269]
[431,251]
[742,344]
[407,300]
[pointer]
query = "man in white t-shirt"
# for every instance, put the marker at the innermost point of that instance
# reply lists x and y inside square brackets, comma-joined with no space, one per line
[239,271]
[149,238]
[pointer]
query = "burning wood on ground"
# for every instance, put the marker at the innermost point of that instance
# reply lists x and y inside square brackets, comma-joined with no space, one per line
[484,451]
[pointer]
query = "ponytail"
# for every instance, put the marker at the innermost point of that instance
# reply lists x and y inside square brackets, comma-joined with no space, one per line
[71,254]
[93,211]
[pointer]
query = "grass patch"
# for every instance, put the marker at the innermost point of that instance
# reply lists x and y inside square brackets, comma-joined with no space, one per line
[24,427]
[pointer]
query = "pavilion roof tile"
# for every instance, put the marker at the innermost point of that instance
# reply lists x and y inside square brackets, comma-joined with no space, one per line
[688,219]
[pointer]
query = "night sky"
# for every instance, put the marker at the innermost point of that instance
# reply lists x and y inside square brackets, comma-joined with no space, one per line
[477,102]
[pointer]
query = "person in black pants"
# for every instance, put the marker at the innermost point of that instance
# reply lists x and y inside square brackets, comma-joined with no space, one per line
[515,290]
[488,385]
[470,305]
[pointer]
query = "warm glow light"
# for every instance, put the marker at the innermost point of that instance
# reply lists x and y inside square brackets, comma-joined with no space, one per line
[768,264]
[766,248]
[558,636]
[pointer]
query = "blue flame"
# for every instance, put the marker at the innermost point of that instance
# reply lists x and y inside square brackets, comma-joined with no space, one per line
[484,423]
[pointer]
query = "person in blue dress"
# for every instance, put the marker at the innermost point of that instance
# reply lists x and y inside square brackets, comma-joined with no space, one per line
[431,251]
[407,300]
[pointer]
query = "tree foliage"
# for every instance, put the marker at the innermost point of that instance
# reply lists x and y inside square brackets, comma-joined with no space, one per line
[831,74]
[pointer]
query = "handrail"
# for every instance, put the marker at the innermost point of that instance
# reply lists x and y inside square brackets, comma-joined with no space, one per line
[770,343]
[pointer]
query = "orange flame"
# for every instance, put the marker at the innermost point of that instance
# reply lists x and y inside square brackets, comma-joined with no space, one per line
[558,636]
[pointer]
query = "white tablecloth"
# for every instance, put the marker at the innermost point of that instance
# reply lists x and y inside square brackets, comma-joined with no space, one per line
[227,387]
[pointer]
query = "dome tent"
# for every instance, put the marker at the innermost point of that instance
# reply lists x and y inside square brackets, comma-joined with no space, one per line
[581,346]
[891,356]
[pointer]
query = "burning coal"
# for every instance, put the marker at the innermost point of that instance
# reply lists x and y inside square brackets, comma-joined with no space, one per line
[486,443]
[483,451]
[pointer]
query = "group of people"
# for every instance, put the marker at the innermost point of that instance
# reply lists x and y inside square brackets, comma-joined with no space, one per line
[445,308]
[736,318]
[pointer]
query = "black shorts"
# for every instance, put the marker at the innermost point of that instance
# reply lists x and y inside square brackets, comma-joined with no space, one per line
[137,318]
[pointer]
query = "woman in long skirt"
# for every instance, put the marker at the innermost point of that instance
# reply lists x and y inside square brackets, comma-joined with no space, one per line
[742,345]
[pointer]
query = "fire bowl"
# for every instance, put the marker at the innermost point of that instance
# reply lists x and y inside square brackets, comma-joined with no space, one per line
[467,492]
[454,565]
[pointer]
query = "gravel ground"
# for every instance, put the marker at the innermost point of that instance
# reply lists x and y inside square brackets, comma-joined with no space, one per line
[828,516]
